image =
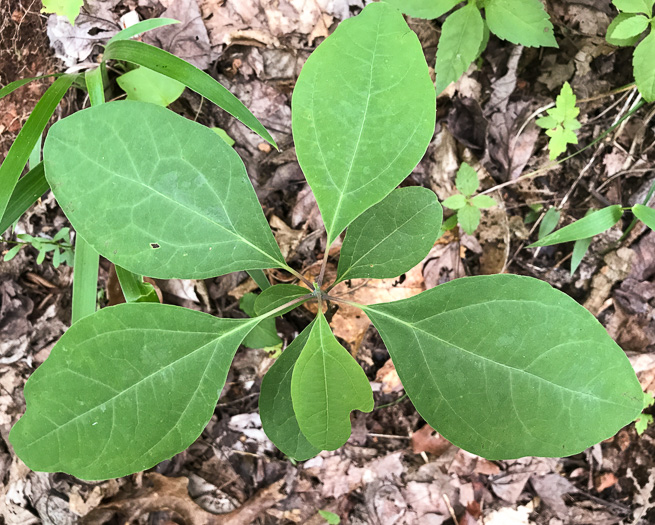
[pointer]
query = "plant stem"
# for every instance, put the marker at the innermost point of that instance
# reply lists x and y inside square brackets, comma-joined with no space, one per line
[321,274]
[299,276]
[342,301]
[295,301]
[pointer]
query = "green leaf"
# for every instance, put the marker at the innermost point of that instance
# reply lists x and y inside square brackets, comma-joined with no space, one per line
[634,6]
[642,422]
[467,180]
[264,335]
[134,289]
[642,62]
[56,258]
[124,389]
[645,215]
[549,222]
[28,190]
[363,113]
[12,253]
[522,22]
[459,44]
[469,218]
[579,251]
[330,517]
[13,86]
[506,366]
[279,295]
[428,9]
[628,28]
[593,224]
[391,237]
[275,406]
[223,134]
[147,85]
[326,385]
[29,135]
[616,23]
[159,195]
[141,27]
[68,8]
[561,122]
[483,201]
[173,67]
[455,202]
[95,86]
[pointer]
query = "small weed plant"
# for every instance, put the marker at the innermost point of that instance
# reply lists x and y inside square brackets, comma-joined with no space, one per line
[503,366]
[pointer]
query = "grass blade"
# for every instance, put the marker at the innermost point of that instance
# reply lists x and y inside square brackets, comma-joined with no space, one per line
[133,287]
[141,27]
[95,86]
[22,147]
[27,191]
[192,77]
[13,86]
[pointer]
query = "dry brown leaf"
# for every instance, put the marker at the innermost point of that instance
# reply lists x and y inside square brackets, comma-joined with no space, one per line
[426,439]
[605,480]
[388,376]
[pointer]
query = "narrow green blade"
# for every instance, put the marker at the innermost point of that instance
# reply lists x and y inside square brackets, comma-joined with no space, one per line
[593,224]
[645,214]
[20,150]
[29,188]
[140,28]
[13,86]
[173,67]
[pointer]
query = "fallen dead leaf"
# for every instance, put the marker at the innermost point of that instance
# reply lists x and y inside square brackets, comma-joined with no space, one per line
[388,376]
[426,439]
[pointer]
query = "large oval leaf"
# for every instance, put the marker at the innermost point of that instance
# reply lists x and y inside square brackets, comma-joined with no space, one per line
[124,389]
[275,406]
[363,113]
[326,385]
[391,237]
[506,366]
[156,193]
[642,62]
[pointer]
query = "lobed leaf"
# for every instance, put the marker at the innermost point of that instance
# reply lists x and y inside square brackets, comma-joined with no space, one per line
[459,45]
[124,389]
[279,295]
[363,113]
[506,366]
[159,195]
[522,22]
[645,214]
[326,385]
[275,405]
[642,63]
[428,9]
[173,67]
[593,224]
[391,237]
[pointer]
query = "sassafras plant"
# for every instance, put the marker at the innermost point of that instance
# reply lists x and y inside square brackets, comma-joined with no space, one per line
[503,366]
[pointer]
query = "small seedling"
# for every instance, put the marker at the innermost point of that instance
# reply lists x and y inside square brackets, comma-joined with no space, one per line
[468,207]
[330,517]
[561,122]
[634,23]
[644,420]
[464,34]
[68,8]
[503,366]
[59,245]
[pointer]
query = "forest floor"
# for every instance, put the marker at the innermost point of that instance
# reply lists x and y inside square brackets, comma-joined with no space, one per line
[394,469]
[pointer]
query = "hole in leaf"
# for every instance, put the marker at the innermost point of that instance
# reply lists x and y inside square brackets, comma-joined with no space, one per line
[154,245]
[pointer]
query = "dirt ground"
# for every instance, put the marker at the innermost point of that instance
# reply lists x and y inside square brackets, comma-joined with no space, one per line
[394,469]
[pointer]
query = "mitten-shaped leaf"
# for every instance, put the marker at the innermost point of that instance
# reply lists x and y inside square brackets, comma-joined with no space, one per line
[275,406]
[459,44]
[642,62]
[363,113]
[159,195]
[522,22]
[124,389]
[428,9]
[391,237]
[506,366]
[326,385]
